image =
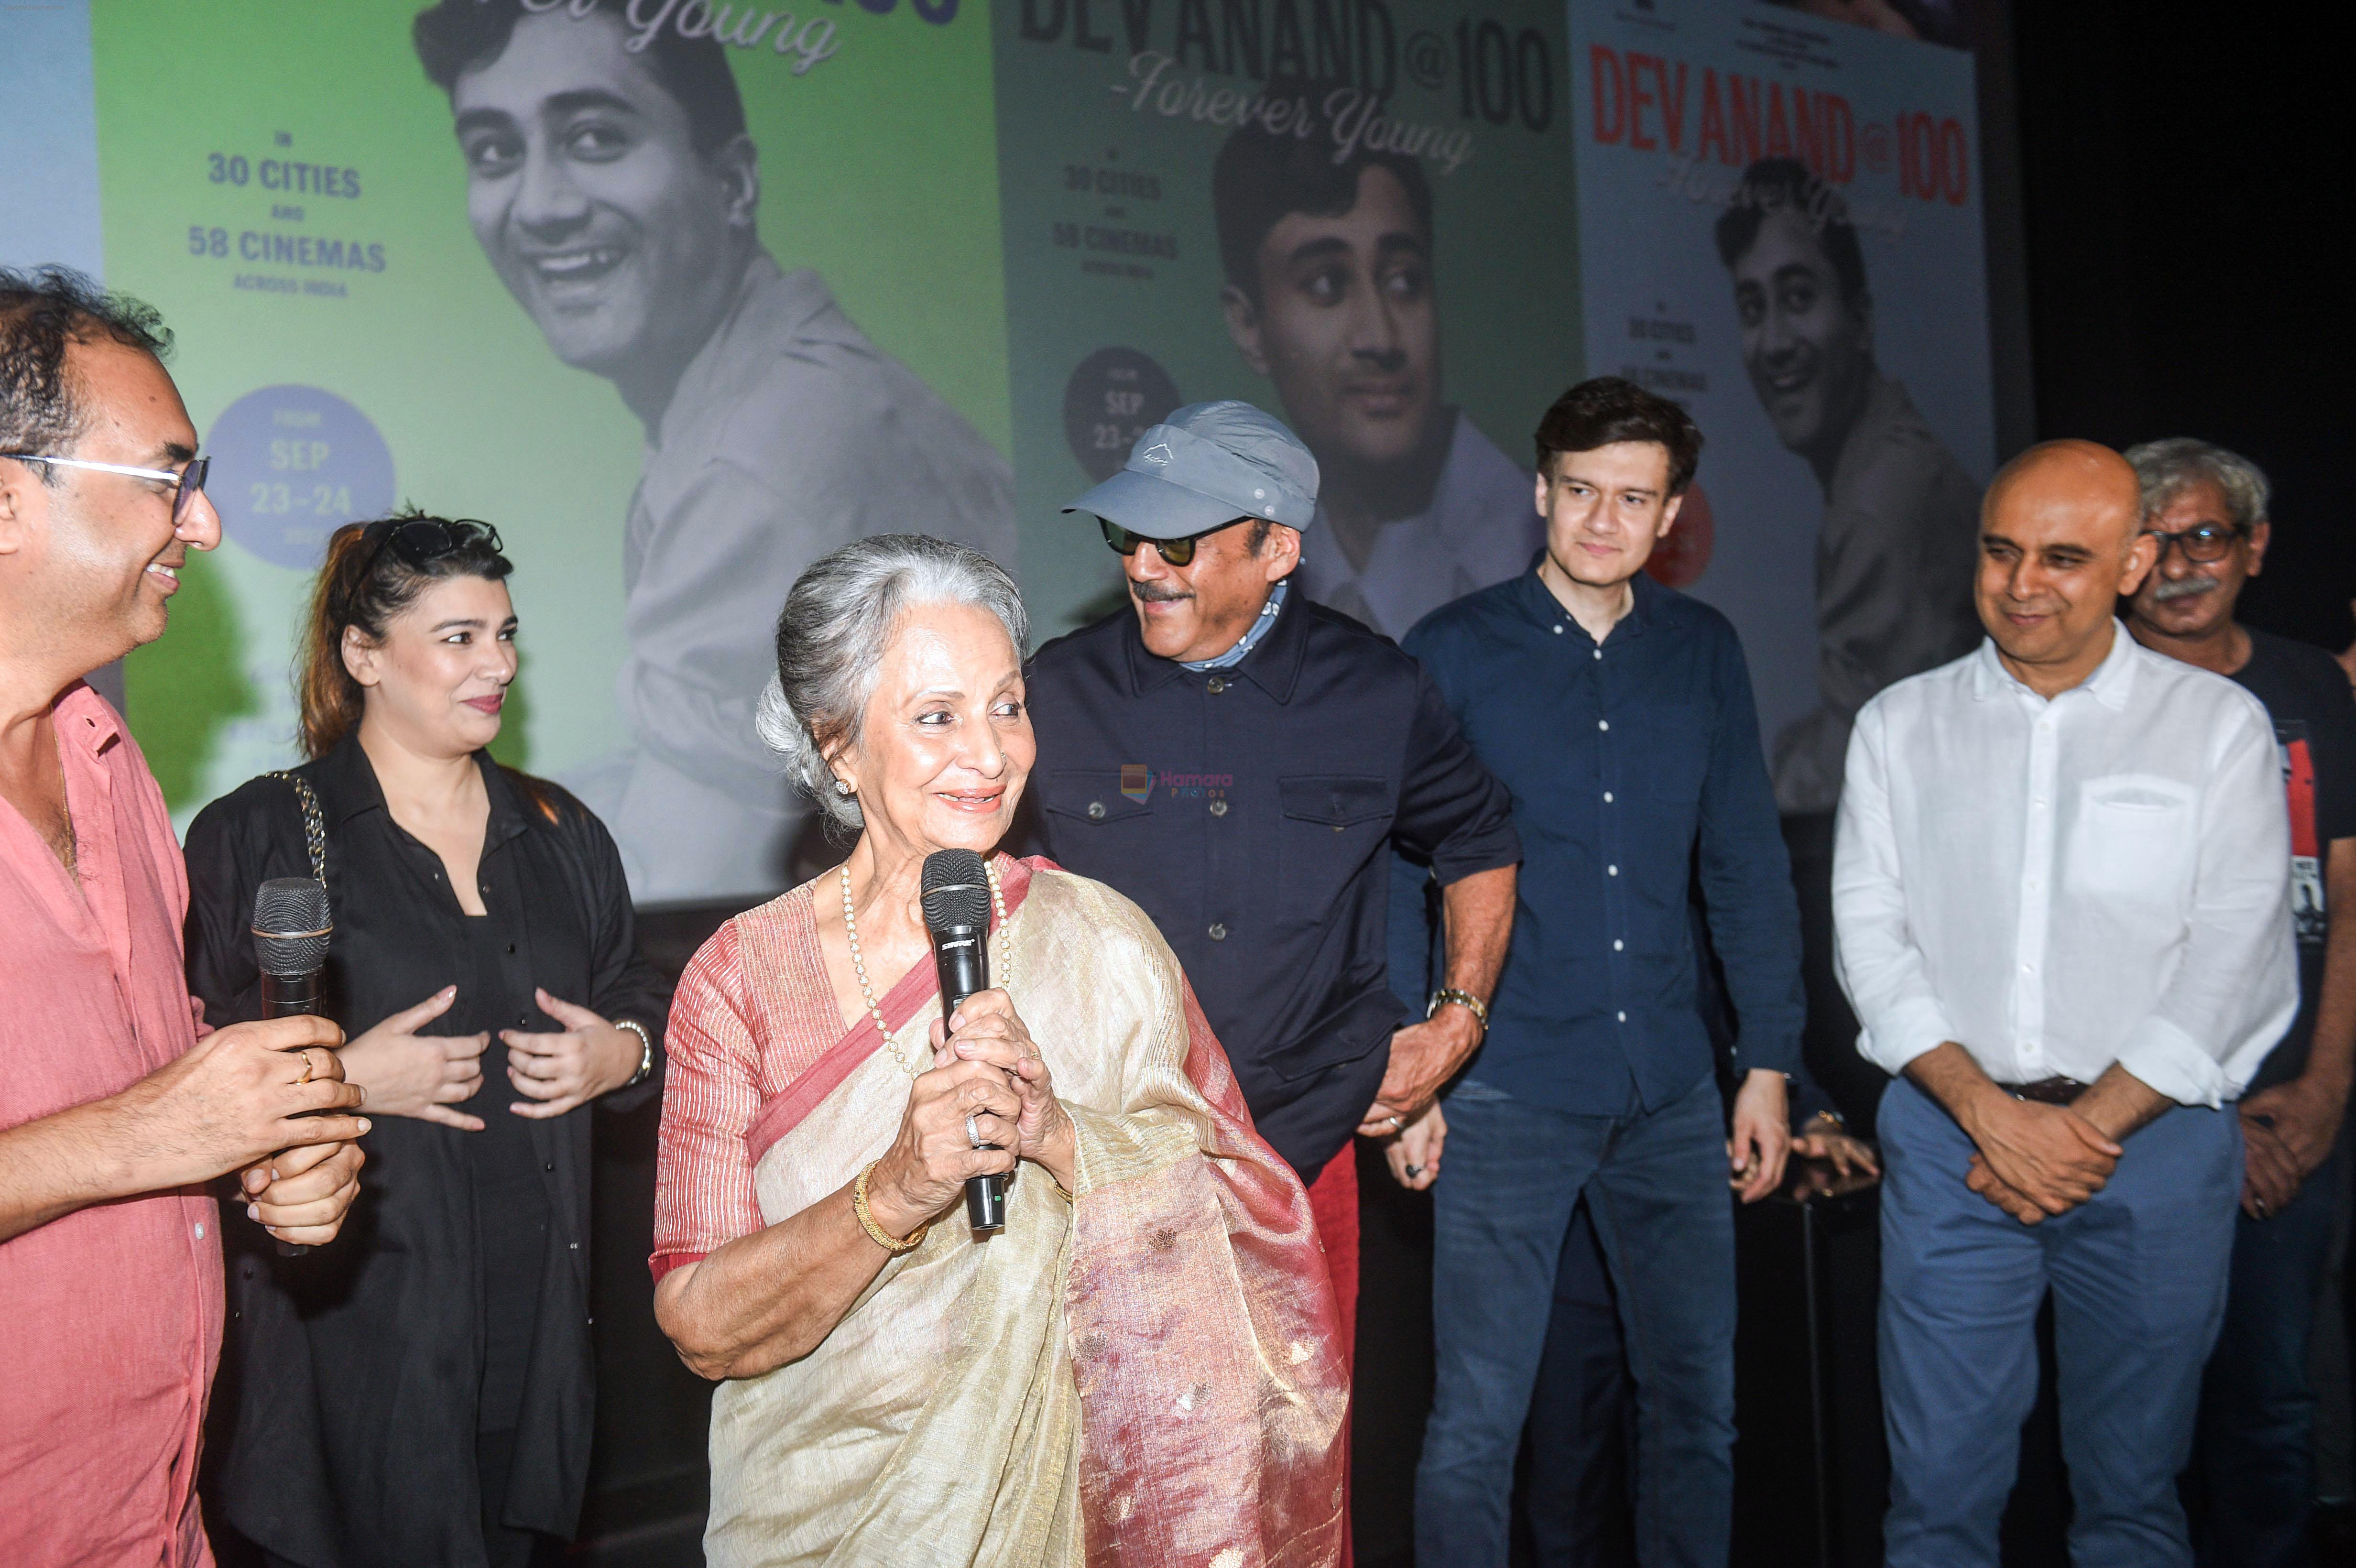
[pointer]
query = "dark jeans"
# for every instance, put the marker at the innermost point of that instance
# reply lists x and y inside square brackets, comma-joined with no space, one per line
[2255,1457]
[1575,1494]
[1656,1185]
[2138,1278]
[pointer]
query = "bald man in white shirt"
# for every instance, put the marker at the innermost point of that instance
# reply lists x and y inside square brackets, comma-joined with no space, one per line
[2063,916]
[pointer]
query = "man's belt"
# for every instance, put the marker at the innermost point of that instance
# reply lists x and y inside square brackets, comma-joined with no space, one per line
[2046,1091]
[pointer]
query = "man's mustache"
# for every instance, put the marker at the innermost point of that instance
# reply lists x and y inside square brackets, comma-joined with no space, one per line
[1157,593]
[2182,588]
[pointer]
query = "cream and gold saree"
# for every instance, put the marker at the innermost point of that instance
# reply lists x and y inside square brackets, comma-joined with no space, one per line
[1148,1375]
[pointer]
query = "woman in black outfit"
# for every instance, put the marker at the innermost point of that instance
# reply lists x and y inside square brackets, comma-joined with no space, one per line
[418,1392]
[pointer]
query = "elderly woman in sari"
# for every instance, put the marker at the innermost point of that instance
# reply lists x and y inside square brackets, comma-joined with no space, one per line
[1141,1367]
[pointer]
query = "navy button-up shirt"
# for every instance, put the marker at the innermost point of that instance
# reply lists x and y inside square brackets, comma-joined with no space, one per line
[1251,812]
[1633,764]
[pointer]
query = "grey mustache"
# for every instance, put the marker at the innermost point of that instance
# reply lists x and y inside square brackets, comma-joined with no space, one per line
[2182,588]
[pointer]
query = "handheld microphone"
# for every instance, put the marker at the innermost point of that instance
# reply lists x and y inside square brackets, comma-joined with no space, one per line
[956,913]
[291,928]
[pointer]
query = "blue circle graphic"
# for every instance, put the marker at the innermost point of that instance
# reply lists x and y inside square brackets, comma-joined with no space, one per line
[291,465]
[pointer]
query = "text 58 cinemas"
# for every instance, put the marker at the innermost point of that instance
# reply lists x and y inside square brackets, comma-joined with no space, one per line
[291,184]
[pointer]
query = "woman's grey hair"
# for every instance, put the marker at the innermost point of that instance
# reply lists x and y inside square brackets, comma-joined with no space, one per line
[2165,467]
[831,637]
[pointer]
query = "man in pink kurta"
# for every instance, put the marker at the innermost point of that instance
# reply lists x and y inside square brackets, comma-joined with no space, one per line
[116,1115]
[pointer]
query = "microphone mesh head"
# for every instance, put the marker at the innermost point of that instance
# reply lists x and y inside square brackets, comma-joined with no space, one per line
[291,925]
[957,890]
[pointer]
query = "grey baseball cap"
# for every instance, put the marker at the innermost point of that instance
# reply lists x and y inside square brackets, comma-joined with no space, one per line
[1206,464]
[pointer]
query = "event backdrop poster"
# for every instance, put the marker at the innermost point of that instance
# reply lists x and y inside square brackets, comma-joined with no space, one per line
[383,295]
[1347,212]
[1829,519]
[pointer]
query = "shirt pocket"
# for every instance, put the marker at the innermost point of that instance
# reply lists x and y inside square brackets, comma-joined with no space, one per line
[2136,837]
[1333,824]
[1085,799]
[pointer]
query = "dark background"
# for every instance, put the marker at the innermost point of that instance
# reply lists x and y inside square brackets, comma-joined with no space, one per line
[2180,193]
[2163,181]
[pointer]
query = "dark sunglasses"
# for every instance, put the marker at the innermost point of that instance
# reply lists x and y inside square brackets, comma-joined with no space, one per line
[1173,553]
[422,541]
[2204,542]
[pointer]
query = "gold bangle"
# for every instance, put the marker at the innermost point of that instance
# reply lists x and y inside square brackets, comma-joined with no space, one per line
[882,1238]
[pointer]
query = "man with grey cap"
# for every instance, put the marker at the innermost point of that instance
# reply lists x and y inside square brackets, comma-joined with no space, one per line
[1240,760]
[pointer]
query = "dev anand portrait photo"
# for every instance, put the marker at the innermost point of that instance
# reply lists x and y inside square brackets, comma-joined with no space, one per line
[614,188]
[1898,548]
[1332,293]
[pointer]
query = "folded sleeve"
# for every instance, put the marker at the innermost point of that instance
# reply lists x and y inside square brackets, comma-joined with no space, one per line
[704,1193]
[1880,968]
[2236,988]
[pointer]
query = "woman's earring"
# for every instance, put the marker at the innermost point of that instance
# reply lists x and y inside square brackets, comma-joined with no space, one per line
[842,786]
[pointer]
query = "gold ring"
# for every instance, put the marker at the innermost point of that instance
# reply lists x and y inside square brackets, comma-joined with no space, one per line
[306,1066]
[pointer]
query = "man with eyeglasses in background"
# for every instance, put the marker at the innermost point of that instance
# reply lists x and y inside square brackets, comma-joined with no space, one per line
[1240,760]
[2255,1456]
[117,1110]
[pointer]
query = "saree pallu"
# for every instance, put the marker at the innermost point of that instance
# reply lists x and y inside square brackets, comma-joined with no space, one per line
[1150,1374]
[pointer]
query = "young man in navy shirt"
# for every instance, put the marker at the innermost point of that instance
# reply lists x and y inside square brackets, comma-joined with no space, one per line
[1619,715]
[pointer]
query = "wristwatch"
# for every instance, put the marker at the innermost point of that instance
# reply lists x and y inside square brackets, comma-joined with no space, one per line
[645,1051]
[1447,994]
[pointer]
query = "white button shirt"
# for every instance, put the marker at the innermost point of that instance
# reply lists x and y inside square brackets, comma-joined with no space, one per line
[2059,886]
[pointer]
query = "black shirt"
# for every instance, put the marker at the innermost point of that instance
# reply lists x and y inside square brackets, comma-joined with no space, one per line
[1251,812]
[355,1379]
[2307,695]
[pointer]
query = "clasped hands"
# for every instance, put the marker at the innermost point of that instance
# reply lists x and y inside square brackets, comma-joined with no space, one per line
[986,1071]
[268,1101]
[2036,1160]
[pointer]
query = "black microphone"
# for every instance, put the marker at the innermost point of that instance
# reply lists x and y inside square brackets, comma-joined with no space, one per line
[956,913]
[291,928]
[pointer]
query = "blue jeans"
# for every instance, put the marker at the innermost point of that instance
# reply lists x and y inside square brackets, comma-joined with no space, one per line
[2256,1447]
[1655,1187]
[1575,1495]
[2137,1276]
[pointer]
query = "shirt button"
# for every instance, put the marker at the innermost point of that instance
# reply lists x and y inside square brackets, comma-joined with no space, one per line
[1599,652]
[1216,685]
[1096,811]
[1557,630]
[201,1230]
[1219,808]
[1607,797]
[510,948]
[1610,870]
[524,1021]
[1617,944]
[550,1166]
[1218,930]
[1604,724]
[1623,1018]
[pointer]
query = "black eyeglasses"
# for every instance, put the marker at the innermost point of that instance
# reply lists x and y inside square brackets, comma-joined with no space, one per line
[187,484]
[1175,552]
[2202,542]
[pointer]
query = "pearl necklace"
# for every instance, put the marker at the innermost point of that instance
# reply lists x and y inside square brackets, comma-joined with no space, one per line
[859,963]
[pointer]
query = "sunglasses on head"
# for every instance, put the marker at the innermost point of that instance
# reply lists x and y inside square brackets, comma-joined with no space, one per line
[1173,553]
[422,541]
